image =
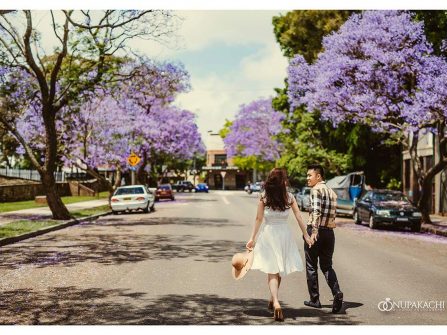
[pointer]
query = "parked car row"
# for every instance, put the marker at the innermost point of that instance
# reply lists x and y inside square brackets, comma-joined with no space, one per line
[140,197]
[377,208]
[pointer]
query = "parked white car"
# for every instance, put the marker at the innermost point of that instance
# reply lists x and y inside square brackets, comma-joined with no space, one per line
[132,198]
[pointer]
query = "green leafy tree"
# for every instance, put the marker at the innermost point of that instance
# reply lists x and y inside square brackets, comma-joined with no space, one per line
[301,31]
[435,27]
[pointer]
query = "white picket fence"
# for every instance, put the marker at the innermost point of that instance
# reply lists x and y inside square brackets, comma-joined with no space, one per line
[29,174]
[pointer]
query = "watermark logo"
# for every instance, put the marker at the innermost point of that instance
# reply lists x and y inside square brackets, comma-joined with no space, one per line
[389,305]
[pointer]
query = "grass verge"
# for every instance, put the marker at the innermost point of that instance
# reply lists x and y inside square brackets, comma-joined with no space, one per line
[90,211]
[18,205]
[24,226]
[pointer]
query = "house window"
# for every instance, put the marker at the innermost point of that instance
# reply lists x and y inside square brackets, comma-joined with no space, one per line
[220,160]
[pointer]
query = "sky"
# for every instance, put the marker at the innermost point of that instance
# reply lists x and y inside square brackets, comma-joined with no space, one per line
[234,61]
[232,58]
[231,55]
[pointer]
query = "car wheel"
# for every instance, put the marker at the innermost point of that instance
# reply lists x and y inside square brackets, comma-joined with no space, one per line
[146,209]
[152,207]
[172,198]
[416,228]
[115,212]
[356,218]
[372,224]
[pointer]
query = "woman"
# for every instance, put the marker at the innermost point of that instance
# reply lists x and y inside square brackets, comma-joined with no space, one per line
[276,252]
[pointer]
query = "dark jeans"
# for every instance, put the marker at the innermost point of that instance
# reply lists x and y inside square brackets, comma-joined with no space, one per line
[322,249]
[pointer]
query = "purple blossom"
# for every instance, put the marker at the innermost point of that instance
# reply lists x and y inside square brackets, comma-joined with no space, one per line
[252,132]
[378,69]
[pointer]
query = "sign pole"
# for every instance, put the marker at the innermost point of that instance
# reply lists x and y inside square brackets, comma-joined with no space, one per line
[133,177]
[223,173]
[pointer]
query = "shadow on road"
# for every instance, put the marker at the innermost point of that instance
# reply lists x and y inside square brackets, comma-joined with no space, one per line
[96,306]
[111,249]
[183,221]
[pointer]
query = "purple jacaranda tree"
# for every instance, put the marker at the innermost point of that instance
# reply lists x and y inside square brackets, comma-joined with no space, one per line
[153,86]
[379,70]
[133,115]
[90,50]
[105,131]
[251,136]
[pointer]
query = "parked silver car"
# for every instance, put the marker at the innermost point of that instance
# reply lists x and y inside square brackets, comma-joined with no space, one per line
[132,198]
[256,187]
[303,198]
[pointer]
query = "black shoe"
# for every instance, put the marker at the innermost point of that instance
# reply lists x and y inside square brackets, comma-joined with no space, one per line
[313,304]
[338,302]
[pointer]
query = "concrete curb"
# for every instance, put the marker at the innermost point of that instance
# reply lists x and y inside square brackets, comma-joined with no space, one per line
[14,239]
[428,228]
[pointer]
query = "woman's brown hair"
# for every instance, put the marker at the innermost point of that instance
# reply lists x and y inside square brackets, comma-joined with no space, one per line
[276,196]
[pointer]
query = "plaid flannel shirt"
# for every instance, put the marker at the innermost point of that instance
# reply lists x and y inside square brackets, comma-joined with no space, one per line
[323,201]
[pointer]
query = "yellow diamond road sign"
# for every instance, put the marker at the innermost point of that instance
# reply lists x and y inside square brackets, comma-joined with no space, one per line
[133,159]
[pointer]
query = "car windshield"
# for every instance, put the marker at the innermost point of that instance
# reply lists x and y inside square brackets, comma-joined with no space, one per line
[389,197]
[129,190]
[164,187]
[202,185]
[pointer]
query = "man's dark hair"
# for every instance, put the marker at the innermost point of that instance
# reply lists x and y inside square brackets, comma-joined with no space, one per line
[317,168]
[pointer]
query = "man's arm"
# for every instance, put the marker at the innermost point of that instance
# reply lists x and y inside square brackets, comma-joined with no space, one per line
[315,202]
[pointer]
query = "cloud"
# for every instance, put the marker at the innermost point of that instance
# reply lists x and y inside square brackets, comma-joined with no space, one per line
[268,66]
[216,98]
[200,29]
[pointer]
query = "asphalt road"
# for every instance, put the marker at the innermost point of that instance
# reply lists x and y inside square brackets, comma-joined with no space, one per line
[173,267]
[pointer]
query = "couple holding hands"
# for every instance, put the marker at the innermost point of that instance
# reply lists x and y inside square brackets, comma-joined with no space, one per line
[275,251]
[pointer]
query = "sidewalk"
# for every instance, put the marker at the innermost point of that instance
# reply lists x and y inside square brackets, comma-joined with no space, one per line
[438,225]
[41,213]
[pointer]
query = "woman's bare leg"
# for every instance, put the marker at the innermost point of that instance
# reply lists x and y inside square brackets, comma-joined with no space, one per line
[274,280]
[279,284]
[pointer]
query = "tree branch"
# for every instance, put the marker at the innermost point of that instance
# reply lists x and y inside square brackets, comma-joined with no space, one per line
[59,60]
[20,139]
[30,59]
[107,25]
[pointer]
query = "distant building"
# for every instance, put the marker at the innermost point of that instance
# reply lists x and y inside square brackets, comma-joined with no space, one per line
[221,173]
[427,151]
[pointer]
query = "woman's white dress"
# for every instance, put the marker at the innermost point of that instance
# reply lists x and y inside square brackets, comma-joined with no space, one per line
[276,250]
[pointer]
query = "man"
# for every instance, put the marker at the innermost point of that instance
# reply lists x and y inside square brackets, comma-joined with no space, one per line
[320,227]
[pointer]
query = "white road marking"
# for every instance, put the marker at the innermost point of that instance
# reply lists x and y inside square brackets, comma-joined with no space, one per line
[225,200]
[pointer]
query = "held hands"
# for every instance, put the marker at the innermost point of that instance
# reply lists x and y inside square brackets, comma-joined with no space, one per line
[308,240]
[314,237]
[250,244]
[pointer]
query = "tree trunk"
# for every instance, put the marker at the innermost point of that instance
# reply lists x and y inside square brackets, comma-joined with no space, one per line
[426,185]
[116,185]
[141,173]
[111,188]
[60,212]
[424,201]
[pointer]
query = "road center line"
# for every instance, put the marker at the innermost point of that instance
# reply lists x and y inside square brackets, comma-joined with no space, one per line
[225,200]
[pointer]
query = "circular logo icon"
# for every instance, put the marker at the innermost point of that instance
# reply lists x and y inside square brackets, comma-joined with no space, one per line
[386,305]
